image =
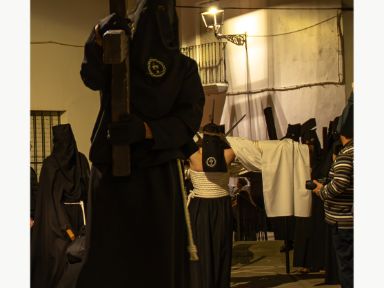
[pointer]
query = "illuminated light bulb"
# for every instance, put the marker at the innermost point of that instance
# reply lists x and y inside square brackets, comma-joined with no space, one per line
[212,10]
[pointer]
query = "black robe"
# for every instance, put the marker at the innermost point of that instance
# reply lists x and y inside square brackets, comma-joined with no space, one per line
[212,226]
[63,178]
[34,190]
[330,262]
[247,217]
[137,222]
[309,242]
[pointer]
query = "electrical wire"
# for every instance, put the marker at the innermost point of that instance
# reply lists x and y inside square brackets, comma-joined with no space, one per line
[268,8]
[248,36]
[56,43]
[295,31]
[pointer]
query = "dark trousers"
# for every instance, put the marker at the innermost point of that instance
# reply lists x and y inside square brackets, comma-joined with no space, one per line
[343,242]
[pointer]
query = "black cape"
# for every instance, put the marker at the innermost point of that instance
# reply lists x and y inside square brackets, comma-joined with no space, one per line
[63,178]
[34,190]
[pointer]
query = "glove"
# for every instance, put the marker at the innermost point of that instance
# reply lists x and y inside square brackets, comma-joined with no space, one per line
[113,22]
[129,129]
[336,148]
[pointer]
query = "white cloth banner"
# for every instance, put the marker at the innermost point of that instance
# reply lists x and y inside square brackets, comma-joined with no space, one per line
[285,167]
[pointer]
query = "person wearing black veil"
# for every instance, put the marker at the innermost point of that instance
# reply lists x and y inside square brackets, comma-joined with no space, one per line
[138,224]
[211,210]
[64,179]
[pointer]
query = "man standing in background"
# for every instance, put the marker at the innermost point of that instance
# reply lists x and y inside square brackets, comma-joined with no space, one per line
[338,200]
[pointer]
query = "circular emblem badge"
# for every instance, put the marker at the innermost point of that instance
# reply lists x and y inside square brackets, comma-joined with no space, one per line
[211,162]
[156,68]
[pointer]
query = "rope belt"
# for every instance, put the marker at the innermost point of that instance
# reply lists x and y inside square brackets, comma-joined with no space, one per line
[192,249]
[204,194]
[81,203]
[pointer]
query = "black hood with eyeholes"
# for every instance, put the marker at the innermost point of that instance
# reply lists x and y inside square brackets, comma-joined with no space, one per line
[67,158]
[213,149]
[155,44]
[157,65]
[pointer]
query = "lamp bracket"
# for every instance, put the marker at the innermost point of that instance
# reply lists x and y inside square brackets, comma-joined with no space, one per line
[238,39]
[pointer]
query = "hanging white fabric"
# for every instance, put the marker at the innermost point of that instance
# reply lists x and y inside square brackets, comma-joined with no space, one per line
[285,167]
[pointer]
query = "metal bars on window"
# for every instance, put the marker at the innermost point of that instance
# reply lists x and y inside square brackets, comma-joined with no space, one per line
[210,58]
[41,123]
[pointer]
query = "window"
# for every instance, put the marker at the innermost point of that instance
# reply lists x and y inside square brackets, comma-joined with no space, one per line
[41,123]
[210,58]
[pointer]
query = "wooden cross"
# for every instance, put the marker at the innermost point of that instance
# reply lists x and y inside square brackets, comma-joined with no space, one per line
[116,52]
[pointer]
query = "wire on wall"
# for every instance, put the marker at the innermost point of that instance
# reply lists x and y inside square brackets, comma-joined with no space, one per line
[56,43]
[295,31]
[248,36]
[268,8]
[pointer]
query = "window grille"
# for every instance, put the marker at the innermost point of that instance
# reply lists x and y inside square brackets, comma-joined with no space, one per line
[210,58]
[41,123]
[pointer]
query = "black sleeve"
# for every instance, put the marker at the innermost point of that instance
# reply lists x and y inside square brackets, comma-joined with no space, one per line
[34,191]
[189,148]
[52,207]
[94,72]
[182,123]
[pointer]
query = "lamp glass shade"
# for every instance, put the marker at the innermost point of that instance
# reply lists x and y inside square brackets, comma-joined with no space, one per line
[213,18]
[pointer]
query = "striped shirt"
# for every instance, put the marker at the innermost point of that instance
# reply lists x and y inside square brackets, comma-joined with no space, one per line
[338,193]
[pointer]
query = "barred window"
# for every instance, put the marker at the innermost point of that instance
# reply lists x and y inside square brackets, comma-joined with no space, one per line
[41,123]
[210,58]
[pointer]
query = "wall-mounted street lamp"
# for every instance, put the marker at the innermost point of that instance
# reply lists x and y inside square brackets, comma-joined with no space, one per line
[214,19]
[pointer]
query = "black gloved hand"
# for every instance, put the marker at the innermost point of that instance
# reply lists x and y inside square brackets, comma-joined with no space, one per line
[129,129]
[113,22]
[336,148]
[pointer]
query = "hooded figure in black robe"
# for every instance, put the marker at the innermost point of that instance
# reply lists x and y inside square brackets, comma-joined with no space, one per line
[64,178]
[309,242]
[137,230]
